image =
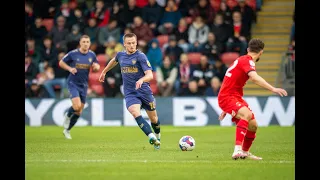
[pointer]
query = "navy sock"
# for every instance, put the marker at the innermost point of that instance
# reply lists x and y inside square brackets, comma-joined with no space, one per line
[70,111]
[143,124]
[156,127]
[73,121]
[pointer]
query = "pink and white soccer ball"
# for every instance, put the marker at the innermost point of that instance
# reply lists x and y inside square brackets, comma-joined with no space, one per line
[187,143]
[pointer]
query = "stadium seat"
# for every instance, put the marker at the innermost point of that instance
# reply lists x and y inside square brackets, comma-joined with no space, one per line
[194,57]
[48,23]
[154,88]
[102,58]
[94,78]
[162,39]
[228,57]
[98,88]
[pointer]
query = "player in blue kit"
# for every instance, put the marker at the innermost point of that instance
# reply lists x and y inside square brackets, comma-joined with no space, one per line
[136,73]
[78,62]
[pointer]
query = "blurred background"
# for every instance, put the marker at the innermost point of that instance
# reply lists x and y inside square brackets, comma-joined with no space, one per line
[189,43]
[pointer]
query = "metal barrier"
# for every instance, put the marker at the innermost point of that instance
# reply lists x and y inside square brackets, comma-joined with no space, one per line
[286,75]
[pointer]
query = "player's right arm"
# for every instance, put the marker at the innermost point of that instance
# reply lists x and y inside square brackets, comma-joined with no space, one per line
[263,83]
[112,63]
[63,64]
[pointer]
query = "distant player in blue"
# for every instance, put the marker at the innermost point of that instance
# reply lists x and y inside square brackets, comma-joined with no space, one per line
[78,62]
[136,73]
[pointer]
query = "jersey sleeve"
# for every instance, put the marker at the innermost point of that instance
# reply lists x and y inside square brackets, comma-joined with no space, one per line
[67,58]
[95,60]
[144,62]
[116,58]
[248,65]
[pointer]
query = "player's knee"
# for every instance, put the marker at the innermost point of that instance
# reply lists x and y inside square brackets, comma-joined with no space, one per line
[253,125]
[154,119]
[77,108]
[135,112]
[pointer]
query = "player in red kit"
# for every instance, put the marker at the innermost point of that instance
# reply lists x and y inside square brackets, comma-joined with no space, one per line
[230,98]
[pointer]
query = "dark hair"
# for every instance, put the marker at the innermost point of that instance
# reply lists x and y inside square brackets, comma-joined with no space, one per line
[129,35]
[84,36]
[255,45]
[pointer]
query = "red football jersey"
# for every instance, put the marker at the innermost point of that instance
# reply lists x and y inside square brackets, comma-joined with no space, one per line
[236,77]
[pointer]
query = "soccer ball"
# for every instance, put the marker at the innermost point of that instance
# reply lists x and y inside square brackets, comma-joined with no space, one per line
[187,143]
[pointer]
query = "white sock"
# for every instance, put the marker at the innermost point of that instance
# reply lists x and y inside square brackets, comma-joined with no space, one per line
[151,135]
[158,136]
[237,148]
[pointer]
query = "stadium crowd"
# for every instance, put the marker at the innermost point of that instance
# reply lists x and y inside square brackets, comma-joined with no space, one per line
[184,40]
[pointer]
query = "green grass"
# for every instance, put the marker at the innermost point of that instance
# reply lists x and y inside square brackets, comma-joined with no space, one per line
[107,153]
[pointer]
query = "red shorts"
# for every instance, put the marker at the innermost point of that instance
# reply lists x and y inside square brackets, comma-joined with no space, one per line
[232,104]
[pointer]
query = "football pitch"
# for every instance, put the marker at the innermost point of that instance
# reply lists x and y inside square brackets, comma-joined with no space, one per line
[120,153]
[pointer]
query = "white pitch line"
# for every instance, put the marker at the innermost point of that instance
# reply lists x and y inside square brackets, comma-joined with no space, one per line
[155,161]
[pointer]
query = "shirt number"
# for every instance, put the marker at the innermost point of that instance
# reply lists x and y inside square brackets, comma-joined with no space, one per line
[231,67]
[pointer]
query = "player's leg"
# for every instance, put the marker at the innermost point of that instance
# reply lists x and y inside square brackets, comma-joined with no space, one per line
[133,106]
[249,138]
[155,123]
[148,103]
[72,116]
[243,116]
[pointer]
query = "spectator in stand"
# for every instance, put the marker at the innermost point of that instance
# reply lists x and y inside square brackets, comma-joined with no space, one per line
[181,34]
[212,49]
[166,76]
[113,47]
[214,88]
[30,69]
[59,34]
[203,9]
[92,31]
[173,50]
[129,11]
[77,17]
[154,54]
[151,14]
[226,12]
[142,31]
[170,18]
[48,53]
[35,90]
[125,31]
[203,73]
[29,17]
[60,78]
[192,90]
[101,13]
[73,38]
[248,15]
[197,34]
[38,31]
[113,82]
[240,36]
[33,51]
[186,5]
[221,30]
[184,75]
[111,30]
[219,69]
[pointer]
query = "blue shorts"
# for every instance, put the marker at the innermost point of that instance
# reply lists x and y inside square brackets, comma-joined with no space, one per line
[147,102]
[78,91]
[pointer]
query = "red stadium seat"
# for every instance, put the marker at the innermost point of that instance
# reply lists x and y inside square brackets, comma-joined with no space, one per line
[94,78]
[163,39]
[228,57]
[48,23]
[154,88]
[102,58]
[252,4]
[194,57]
[98,88]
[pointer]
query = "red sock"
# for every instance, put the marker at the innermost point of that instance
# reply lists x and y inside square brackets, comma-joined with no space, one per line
[248,139]
[241,130]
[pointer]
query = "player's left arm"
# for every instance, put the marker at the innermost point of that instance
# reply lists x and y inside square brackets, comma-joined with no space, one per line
[95,64]
[146,66]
